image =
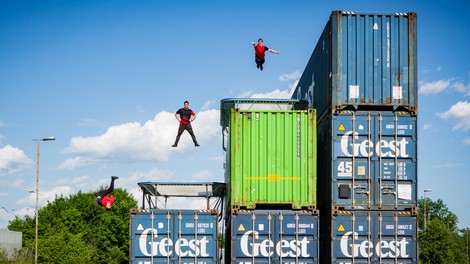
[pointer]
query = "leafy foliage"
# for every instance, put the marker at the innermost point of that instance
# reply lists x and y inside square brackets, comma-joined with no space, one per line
[73,230]
[440,241]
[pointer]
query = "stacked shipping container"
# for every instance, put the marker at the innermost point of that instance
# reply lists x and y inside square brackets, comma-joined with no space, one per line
[362,80]
[173,236]
[271,181]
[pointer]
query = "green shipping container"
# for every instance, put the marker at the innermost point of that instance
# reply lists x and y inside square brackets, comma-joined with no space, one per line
[271,159]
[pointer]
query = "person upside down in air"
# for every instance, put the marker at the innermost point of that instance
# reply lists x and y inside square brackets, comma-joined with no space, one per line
[105,197]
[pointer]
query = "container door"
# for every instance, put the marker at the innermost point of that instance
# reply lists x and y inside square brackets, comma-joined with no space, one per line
[275,237]
[149,232]
[373,237]
[396,238]
[253,238]
[352,161]
[297,238]
[396,161]
[273,159]
[185,236]
[374,161]
[196,239]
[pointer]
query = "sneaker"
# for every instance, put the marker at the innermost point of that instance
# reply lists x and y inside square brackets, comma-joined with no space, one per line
[196,144]
[174,146]
[261,67]
[114,177]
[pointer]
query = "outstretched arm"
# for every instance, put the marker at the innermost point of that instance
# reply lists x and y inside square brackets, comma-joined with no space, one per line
[274,51]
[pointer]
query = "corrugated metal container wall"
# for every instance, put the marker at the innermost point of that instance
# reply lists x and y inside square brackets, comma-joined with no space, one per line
[369,161]
[272,159]
[10,241]
[173,236]
[370,237]
[363,60]
[281,236]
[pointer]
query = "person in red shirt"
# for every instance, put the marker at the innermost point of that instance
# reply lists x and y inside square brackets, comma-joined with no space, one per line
[260,50]
[183,115]
[104,197]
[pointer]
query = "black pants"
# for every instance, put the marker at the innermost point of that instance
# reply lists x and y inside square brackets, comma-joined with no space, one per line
[259,63]
[104,192]
[188,128]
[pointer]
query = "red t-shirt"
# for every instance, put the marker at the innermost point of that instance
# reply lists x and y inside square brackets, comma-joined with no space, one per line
[260,51]
[185,115]
[107,199]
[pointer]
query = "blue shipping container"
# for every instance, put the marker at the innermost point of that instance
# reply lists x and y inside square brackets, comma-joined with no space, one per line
[276,236]
[370,237]
[363,60]
[173,236]
[369,161]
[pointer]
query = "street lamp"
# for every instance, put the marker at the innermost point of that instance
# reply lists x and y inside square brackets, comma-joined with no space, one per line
[37,193]
[425,200]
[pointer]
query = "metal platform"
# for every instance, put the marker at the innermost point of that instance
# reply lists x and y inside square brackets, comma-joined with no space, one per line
[153,190]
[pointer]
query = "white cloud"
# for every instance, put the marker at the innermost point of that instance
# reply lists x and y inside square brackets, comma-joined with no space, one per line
[204,175]
[3,194]
[45,196]
[426,126]
[459,114]
[284,94]
[12,160]
[2,124]
[17,183]
[208,105]
[135,142]
[292,79]
[83,182]
[434,87]
[466,141]
[459,86]
[289,77]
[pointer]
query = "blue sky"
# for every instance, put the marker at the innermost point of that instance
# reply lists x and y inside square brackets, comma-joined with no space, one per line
[105,77]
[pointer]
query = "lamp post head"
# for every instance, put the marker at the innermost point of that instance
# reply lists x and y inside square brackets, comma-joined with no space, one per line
[44,139]
[427,190]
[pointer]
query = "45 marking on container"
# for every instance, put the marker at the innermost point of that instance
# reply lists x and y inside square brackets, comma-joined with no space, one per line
[345,169]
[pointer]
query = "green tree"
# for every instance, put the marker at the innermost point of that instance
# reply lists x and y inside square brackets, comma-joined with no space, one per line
[440,242]
[73,230]
[436,243]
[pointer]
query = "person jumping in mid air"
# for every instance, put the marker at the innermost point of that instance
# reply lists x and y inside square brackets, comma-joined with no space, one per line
[104,197]
[260,50]
[185,120]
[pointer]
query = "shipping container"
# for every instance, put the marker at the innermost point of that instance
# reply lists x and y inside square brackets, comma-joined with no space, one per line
[274,236]
[173,236]
[368,161]
[371,237]
[270,158]
[363,60]
[10,241]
